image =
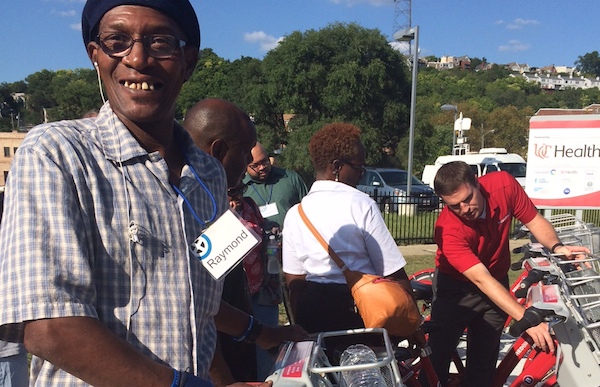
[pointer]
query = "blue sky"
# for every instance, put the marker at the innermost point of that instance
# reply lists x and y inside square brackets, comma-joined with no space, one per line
[45,34]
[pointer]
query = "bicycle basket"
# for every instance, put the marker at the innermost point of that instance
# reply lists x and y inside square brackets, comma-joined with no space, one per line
[586,283]
[386,362]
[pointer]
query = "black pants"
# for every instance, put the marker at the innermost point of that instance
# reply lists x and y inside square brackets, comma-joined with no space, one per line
[327,307]
[458,305]
[330,307]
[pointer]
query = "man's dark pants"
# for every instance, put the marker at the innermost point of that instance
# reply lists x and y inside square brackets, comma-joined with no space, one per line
[458,305]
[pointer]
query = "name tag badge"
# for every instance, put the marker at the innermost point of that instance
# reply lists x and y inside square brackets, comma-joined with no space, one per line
[269,210]
[224,244]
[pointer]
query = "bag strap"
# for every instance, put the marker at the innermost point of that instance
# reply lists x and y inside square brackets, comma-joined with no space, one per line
[336,258]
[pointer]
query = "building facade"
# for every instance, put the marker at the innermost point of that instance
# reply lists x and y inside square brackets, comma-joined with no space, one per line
[9,143]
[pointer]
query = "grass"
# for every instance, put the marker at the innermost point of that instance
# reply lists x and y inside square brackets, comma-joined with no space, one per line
[419,262]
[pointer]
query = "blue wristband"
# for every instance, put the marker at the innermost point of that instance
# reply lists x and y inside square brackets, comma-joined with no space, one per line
[189,380]
[244,335]
[176,378]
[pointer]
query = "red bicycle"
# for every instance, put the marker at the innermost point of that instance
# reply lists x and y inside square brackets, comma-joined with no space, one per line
[537,367]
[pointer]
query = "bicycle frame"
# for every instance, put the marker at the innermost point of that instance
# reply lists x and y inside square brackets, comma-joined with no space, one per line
[537,368]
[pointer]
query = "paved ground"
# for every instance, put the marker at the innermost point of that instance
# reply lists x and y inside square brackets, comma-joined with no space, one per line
[431,249]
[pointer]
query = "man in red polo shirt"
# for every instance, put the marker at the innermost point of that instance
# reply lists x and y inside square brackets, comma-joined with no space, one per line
[472,262]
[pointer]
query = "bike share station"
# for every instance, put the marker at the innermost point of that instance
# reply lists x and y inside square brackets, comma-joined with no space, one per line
[563,172]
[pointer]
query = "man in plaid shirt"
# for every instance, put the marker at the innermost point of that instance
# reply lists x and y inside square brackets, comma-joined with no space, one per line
[95,267]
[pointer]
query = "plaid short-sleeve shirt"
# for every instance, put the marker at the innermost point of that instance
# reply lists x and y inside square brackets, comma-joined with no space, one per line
[92,228]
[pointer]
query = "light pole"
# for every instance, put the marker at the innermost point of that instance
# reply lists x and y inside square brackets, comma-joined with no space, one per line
[483,135]
[448,107]
[406,36]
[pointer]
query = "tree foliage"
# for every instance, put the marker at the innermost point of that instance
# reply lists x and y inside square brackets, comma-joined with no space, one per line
[589,64]
[342,72]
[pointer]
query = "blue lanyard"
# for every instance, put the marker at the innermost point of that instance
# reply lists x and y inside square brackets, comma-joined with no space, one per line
[260,196]
[212,198]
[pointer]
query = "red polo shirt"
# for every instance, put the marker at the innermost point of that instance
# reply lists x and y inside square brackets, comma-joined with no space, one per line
[462,243]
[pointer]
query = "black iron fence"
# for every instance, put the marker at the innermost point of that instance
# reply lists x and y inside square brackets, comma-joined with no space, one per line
[411,220]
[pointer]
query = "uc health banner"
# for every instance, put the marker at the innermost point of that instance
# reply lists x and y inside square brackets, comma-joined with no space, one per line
[563,161]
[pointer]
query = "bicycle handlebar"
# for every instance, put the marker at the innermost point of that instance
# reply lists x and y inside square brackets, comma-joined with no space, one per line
[533,276]
[532,317]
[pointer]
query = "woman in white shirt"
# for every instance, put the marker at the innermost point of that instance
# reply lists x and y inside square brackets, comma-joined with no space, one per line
[349,221]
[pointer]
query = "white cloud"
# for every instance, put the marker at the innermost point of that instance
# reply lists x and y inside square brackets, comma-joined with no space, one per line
[70,13]
[75,26]
[266,42]
[519,23]
[514,46]
[376,3]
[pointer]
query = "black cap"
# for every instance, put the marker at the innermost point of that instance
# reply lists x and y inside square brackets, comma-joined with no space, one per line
[179,10]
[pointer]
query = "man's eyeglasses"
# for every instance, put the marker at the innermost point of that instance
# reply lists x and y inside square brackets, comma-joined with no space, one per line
[237,191]
[262,163]
[360,168]
[119,44]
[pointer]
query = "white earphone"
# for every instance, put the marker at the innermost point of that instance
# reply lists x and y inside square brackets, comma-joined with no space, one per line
[99,82]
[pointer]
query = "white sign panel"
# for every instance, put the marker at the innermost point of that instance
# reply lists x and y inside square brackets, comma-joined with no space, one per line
[563,161]
[224,244]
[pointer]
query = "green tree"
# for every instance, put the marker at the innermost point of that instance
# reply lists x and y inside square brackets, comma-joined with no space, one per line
[245,83]
[40,95]
[476,62]
[511,129]
[9,108]
[342,72]
[75,92]
[589,64]
[209,80]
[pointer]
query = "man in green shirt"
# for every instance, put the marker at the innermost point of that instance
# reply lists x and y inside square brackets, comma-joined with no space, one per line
[274,189]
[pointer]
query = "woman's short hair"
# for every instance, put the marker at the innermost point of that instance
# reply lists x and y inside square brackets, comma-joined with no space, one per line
[336,141]
[451,176]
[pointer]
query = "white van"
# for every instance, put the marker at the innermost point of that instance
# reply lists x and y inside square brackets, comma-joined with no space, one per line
[487,160]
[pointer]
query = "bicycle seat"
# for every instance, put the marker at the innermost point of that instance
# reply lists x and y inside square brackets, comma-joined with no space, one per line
[422,291]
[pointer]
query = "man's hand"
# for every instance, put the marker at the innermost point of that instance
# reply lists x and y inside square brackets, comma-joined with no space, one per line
[541,337]
[571,252]
[271,337]
[574,253]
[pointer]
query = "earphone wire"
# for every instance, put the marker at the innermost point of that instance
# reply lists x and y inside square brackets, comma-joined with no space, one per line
[99,82]
[131,242]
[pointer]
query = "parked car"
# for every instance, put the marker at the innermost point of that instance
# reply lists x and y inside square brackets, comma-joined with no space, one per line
[388,187]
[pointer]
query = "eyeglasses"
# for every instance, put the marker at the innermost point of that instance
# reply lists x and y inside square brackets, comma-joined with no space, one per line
[237,191]
[262,163]
[119,44]
[360,168]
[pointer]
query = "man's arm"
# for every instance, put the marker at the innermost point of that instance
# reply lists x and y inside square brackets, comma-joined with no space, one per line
[234,322]
[220,372]
[544,232]
[84,347]
[481,277]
